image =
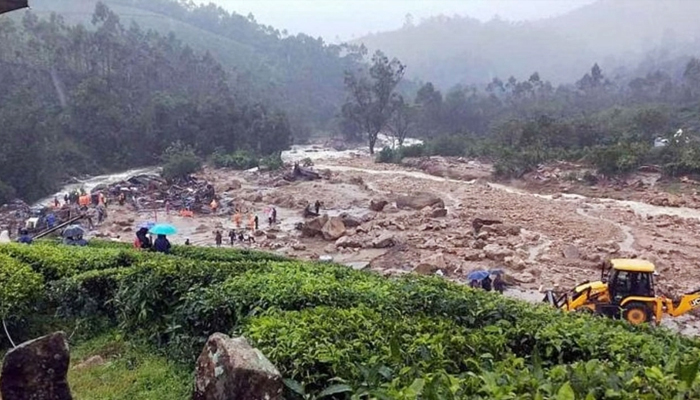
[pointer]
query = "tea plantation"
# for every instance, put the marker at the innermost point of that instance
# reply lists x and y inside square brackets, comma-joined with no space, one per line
[336,333]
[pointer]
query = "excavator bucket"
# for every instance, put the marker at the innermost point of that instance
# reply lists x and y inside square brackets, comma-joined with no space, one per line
[11,5]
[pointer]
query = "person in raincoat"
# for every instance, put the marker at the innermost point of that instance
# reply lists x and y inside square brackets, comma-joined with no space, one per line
[24,237]
[237,219]
[162,244]
[214,206]
[142,240]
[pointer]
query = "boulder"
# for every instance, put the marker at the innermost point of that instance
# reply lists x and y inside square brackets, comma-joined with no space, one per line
[299,246]
[314,226]
[348,241]
[384,241]
[271,236]
[378,205]
[501,229]
[431,264]
[480,221]
[333,229]
[349,221]
[496,252]
[571,252]
[37,369]
[259,233]
[419,200]
[230,369]
[438,212]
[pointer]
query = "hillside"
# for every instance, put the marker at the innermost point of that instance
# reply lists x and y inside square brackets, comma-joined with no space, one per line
[454,50]
[331,331]
[299,74]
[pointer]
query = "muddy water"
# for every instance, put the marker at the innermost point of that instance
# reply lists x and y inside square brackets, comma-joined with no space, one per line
[90,183]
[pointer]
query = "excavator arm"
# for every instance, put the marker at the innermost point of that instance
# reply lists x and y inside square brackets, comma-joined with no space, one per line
[687,303]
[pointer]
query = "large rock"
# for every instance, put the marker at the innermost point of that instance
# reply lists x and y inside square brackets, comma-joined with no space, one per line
[571,252]
[482,220]
[419,201]
[501,229]
[333,228]
[438,212]
[36,370]
[349,242]
[377,206]
[431,264]
[496,252]
[230,369]
[314,226]
[384,241]
[349,221]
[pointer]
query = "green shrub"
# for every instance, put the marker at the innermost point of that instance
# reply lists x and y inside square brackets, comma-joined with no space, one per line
[240,160]
[179,161]
[19,286]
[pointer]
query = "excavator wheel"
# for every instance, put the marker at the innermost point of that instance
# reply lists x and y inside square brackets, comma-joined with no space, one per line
[636,313]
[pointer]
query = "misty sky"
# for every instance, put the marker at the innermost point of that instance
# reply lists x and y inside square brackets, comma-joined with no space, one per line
[337,20]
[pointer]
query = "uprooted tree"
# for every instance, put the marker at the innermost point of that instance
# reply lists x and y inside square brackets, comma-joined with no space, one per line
[371,98]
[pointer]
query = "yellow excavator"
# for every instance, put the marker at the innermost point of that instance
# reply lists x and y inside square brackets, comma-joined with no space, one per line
[626,290]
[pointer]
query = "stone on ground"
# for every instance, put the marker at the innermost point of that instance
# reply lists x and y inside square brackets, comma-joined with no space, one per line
[333,229]
[36,370]
[419,201]
[231,369]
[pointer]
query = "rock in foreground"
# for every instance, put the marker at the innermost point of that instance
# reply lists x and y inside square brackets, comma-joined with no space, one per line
[230,369]
[36,370]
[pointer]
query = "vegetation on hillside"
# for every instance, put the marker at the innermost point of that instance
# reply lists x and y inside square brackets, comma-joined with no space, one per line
[78,100]
[612,124]
[352,334]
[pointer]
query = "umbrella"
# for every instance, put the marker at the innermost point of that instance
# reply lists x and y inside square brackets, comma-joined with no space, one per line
[147,225]
[73,231]
[477,275]
[11,5]
[163,229]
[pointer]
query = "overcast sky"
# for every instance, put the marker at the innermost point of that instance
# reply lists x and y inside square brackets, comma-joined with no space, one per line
[338,20]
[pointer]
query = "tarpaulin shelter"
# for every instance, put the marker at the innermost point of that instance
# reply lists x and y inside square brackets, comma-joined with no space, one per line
[11,5]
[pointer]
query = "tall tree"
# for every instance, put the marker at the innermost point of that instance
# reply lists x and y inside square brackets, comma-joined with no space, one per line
[372,99]
[401,121]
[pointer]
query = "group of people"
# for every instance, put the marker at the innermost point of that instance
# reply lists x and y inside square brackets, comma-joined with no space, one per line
[497,284]
[233,236]
[144,242]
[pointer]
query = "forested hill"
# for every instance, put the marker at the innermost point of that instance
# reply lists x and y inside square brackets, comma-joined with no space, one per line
[75,100]
[615,33]
[299,74]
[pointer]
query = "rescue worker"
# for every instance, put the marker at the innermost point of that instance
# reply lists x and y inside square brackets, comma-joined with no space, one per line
[256,222]
[214,206]
[232,236]
[237,219]
[218,238]
[317,206]
[24,237]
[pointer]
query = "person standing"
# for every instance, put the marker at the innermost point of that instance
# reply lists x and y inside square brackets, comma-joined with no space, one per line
[162,244]
[237,219]
[274,215]
[317,206]
[256,222]
[232,236]
[218,238]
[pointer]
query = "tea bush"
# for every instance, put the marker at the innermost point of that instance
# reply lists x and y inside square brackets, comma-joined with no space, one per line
[339,333]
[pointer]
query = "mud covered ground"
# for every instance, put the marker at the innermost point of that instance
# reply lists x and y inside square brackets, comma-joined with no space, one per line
[545,240]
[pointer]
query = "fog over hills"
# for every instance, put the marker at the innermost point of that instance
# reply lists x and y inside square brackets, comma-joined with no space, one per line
[618,34]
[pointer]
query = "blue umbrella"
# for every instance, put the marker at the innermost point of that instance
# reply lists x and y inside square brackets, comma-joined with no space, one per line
[147,225]
[163,229]
[477,275]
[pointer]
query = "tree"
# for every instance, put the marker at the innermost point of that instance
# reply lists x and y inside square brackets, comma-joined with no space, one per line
[371,99]
[179,161]
[401,122]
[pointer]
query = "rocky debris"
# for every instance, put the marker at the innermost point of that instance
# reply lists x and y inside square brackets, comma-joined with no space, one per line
[438,213]
[301,174]
[333,229]
[299,246]
[501,230]
[378,205]
[497,252]
[419,201]
[314,226]
[384,241]
[349,242]
[349,221]
[230,369]
[571,252]
[431,264]
[478,222]
[37,369]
